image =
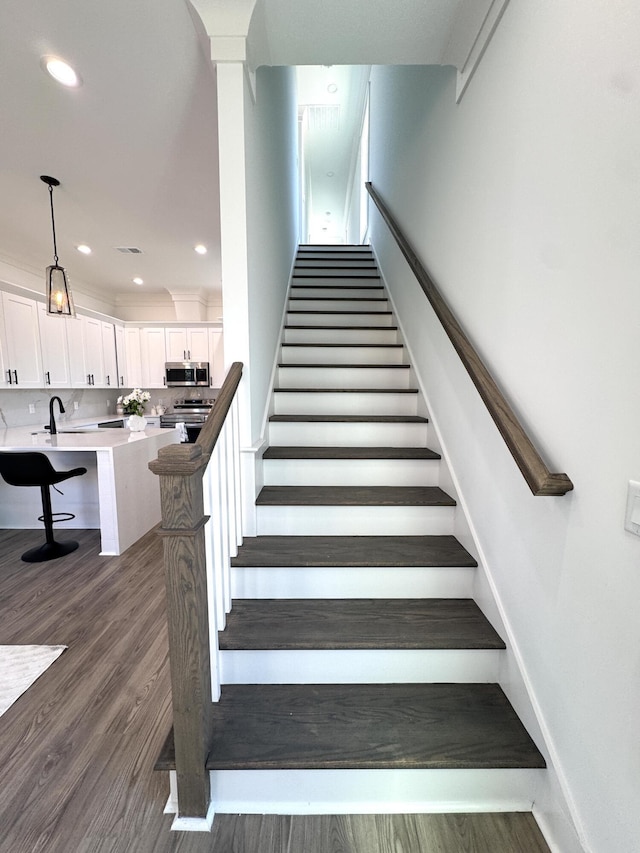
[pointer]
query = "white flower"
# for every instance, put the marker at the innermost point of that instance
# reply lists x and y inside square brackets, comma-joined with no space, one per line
[133,403]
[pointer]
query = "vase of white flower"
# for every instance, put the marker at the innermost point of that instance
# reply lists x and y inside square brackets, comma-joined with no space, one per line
[133,405]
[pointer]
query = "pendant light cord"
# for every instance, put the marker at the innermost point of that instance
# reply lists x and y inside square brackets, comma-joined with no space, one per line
[53,226]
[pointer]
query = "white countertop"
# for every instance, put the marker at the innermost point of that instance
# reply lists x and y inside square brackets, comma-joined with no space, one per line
[31,437]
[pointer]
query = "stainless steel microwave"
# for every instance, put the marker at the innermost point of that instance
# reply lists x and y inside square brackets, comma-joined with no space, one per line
[186,373]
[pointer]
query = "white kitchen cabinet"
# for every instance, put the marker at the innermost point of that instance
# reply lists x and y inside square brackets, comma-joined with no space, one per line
[22,353]
[133,358]
[93,353]
[216,357]
[152,348]
[55,351]
[121,357]
[110,365]
[188,344]
[75,345]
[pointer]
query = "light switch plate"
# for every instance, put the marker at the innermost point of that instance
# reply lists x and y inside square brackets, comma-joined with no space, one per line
[632,515]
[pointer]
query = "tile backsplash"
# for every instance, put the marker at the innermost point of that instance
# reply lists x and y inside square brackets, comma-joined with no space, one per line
[92,402]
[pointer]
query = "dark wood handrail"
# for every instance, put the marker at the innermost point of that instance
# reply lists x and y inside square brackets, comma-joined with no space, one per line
[540,480]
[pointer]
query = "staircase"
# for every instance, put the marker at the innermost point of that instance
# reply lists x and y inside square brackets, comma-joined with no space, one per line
[358,673]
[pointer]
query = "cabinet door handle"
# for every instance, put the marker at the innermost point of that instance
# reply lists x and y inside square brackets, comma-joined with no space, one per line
[122,381]
[15,376]
[108,380]
[48,375]
[164,380]
[88,379]
[9,377]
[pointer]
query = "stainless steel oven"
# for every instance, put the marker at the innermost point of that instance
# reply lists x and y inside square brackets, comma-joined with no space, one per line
[192,412]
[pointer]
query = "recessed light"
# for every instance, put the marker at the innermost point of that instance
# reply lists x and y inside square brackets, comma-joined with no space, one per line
[200,249]
[330,174]
[61,71]
[86,250]
[328,212]
[138,280]
[332,88]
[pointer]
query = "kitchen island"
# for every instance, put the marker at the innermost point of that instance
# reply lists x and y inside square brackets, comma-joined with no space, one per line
[118,494]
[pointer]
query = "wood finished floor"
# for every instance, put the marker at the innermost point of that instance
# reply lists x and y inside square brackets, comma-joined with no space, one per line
[77,749]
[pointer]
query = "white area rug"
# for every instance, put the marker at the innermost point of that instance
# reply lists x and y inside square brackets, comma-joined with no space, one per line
[19,668]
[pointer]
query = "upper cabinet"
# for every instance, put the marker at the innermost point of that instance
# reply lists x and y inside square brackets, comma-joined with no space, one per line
[55,350]
[38,350]
[189,344]
[121,354]
[110,365]
[92,353]
[21,343]
[132,374]
[216,357]
[152,349]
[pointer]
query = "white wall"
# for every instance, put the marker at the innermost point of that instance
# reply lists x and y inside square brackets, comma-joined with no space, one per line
[272,223]
[523,201]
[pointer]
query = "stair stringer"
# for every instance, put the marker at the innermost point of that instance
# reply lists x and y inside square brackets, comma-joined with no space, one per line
[553,805]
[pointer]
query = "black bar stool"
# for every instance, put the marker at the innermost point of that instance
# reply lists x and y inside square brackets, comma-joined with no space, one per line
[35,469]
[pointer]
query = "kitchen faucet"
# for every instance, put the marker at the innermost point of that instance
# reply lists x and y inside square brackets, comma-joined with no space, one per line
[52,421]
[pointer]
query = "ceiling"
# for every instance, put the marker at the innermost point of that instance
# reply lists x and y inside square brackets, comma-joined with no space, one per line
[134,147]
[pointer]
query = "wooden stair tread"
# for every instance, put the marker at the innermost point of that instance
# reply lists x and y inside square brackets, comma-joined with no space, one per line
[342,366]
[353,496]
[365,726]
[345,390]
[344,346]
[352,551]
[358,313]
[358,623]
[356,419]
[342,328]
[309,452]
[338,299]
[339,286]
[363,273]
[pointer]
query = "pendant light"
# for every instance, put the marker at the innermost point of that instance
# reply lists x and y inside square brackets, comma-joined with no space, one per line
[59,299]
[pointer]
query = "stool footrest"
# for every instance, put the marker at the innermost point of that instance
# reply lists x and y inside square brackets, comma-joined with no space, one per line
[58,516]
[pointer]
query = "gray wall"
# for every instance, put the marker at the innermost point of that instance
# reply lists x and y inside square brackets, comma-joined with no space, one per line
[523,201]
[272,225]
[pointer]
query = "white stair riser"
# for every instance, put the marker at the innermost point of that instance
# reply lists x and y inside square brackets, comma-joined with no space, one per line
[354,520]
[335,434]
[344,377]
[373,791]
[303,318]
[328,292]
[366,666]
[309,354]
[351,472]
[322,403]
[336,304]
[353,582]
[318,278]
[321,335]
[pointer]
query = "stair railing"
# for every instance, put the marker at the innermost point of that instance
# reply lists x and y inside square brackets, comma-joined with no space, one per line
[199,483]
[539,478]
